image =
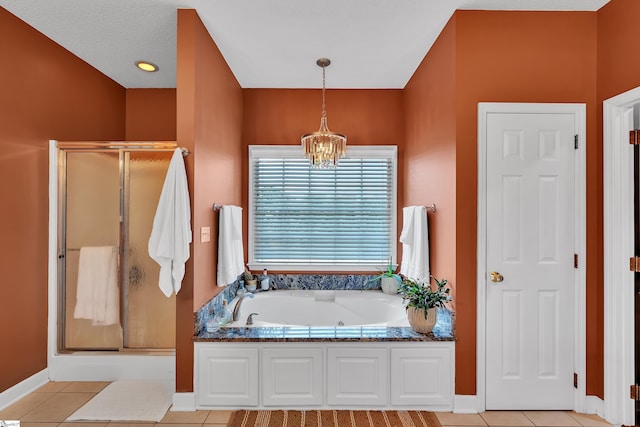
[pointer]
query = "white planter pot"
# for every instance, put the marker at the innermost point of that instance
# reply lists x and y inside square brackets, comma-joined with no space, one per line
[389,285]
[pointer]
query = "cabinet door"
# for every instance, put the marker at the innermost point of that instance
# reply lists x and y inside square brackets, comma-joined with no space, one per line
[227,377]
[292,377]
[422,376]
[357,376]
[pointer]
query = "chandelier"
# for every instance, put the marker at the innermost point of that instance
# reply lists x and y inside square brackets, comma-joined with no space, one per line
[323,148]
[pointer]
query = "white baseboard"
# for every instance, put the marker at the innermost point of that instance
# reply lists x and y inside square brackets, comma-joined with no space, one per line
[594,405]
[20,390]
[183,402]
[465,404]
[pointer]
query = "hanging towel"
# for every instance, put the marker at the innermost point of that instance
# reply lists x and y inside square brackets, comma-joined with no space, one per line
[171,232]
[97,296]
[230,251]
[415,243]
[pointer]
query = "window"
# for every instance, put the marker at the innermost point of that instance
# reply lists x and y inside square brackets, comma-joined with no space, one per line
[305,219]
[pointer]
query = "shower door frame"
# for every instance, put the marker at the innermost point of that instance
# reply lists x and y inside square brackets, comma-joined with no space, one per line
[123,149]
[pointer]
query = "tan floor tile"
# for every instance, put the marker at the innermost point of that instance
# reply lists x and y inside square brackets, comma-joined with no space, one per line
[218,417]
[589,420]
[84,424]
[179,425]
[215,425]
[23,406]
[450,419]
[125,424]
[197,417]
[38,424]
[58,407]
[551,418]
[505,418]
[53,387]
[86,387]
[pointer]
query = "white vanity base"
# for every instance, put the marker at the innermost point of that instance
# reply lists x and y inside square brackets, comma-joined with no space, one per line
[325,375]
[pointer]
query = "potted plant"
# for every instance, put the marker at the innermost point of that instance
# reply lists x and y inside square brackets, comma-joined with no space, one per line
[389,280]
[422,302]
[250,279]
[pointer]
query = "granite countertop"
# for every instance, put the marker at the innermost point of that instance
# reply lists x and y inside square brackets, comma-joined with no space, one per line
[317,334]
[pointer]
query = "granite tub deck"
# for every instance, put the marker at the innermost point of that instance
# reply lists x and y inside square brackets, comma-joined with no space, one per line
[317,334]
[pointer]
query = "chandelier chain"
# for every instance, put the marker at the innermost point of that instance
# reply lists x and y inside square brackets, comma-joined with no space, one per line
[324,110]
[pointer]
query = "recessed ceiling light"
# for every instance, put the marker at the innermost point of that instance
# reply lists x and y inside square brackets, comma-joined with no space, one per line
[147,66]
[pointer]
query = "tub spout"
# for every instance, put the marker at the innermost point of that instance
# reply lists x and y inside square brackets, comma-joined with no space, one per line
[250,319]
[236,309]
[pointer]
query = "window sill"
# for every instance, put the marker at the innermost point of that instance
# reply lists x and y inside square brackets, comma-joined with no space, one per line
[314,268]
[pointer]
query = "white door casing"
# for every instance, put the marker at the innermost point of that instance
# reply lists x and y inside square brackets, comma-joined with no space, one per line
[530,224]
[619,310]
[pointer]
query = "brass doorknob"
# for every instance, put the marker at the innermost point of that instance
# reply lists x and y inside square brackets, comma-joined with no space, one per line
[496,277]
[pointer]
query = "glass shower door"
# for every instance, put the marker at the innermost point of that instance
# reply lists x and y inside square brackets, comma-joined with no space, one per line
[92,220]
[109,200]
[149,316]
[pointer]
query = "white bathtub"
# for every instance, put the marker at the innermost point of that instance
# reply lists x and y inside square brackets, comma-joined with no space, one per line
[321,308]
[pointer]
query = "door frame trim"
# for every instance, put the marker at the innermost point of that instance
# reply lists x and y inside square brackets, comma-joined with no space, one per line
[579,356]
[618,219]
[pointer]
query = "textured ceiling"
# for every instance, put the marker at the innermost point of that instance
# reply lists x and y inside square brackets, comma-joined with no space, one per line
[267,43]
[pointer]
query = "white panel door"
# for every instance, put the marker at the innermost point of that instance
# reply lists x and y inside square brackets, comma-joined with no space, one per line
[530,246]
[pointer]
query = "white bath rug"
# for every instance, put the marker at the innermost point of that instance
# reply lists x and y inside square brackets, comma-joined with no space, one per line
[128,400]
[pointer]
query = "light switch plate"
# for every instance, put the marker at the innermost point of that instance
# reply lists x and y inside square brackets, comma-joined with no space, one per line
[205,234]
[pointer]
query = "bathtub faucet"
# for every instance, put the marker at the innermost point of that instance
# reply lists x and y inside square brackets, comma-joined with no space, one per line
[236,309]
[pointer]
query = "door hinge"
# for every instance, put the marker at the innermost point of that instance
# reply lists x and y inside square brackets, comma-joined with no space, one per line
[575,142]
[634,137]
[635,392]
[575,380]
[575,260]
[634,264]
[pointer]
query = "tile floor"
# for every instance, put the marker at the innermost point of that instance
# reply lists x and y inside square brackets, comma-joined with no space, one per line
[52,403]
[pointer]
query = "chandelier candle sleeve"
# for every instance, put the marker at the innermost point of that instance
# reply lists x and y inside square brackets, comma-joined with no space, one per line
[324,148]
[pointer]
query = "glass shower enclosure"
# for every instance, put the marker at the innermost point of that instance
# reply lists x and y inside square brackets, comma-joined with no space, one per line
[108,194]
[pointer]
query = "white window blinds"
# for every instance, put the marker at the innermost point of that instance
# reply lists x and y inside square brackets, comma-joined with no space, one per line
[305,218]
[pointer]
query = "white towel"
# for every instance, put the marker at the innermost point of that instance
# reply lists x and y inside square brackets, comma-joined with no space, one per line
[97,296]
[171,232]
[230,250]
[415,243]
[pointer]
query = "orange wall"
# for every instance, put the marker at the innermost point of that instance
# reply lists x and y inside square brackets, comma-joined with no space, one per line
[150,115]
[429,161]
[209,123]
[521,57]
[47,93]
[282,116]
[501,57]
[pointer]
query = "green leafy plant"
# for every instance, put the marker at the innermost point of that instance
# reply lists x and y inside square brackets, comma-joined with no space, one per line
[422,295]
[390,272]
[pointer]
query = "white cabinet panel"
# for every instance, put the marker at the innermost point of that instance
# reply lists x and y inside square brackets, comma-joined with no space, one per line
[292,377]
[422,376]
[227,376]
[357,376]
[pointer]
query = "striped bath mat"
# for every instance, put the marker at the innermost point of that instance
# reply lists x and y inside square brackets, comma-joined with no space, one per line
[333,419]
